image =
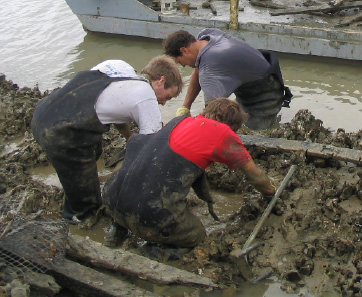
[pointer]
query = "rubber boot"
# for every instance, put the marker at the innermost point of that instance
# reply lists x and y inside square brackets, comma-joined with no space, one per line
[115,235]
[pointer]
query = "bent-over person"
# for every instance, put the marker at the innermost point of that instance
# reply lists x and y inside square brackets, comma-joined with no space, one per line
[69,123]
[225,65]
[147,195]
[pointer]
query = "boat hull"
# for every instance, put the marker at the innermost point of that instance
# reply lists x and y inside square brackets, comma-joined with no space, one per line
[135,19]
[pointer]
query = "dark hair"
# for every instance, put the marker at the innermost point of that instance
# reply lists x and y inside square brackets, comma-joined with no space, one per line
[172,43]
[164,66]
[226,111]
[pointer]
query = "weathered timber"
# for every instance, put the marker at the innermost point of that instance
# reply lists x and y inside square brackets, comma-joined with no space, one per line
[319,8]
[350,20]
[89,282]
[132,264]
[266,4]
[313,149]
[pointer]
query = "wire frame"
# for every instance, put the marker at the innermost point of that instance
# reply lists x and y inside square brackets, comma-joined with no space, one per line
[29,242]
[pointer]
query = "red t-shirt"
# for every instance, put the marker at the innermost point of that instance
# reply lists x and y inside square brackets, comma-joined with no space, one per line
[204,141]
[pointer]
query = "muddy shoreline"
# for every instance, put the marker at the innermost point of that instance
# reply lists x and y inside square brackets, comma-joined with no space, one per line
[312,239]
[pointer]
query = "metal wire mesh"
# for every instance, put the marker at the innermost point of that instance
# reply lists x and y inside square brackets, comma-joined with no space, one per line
[29,242]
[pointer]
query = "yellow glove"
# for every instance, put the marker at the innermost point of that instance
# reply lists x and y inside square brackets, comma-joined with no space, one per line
[183,111]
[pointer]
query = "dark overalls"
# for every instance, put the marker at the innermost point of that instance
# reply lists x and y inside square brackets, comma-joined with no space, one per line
[66,126]
[148,193]
[264,98]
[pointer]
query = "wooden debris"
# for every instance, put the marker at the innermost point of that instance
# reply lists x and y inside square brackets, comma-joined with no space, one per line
[312,149]
[132,264]
[208,4]
[350,20]
[89,282]
[321,8]
[266,4]
[336,3]
[41,283]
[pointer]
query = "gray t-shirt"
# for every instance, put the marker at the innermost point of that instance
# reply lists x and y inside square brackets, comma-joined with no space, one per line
[227,62]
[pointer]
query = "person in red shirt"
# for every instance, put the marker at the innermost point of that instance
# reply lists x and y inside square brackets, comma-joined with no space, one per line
[148,193]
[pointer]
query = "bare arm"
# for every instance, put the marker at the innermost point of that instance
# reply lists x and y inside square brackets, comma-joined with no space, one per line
[124,129]
[257,178]
[193,90]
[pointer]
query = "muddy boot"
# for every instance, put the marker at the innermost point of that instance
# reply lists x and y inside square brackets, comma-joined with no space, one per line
[163,253]
[115,235]
[91,218]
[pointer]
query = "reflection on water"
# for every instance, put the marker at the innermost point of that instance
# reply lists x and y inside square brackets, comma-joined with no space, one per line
[331,89]
[96,48]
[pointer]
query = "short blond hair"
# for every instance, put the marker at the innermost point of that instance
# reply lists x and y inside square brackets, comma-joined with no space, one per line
[167,67]
[226,111]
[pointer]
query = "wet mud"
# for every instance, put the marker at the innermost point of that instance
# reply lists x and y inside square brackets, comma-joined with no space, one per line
[311,240]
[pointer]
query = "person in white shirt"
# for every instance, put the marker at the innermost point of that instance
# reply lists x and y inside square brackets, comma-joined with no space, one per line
[69,123]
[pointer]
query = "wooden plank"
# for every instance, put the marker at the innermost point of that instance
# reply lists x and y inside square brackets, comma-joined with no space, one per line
[89,282]
[313,149]
[320,8]
[132,264]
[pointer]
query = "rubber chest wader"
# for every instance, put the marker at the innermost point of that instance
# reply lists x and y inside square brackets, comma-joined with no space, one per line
[148,194]
[264,98]
[66,125]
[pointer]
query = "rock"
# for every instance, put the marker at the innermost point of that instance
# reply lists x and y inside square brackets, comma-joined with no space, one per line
[18,289]
[42,284]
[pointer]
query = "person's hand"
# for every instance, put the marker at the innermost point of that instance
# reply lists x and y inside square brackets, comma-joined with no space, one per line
[183,111]
[269,197]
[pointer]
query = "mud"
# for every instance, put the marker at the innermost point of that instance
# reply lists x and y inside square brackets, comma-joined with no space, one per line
[312,239]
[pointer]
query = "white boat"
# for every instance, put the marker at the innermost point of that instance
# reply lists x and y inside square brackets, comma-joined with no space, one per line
[294,33]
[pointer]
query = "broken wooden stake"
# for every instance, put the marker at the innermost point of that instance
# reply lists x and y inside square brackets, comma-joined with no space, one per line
[126,262]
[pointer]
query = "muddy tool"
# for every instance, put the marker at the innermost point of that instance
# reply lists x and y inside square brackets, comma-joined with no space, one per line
[117,157]
[247,248]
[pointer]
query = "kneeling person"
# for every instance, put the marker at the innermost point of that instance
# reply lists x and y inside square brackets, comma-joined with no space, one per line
[148,193]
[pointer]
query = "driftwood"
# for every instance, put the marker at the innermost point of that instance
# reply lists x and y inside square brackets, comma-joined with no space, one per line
[320,8]
[312,149]
[89,282]
[132,264]
[266,4]
[350,20]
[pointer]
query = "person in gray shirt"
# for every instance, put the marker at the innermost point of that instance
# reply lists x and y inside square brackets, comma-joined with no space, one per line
[225,65]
